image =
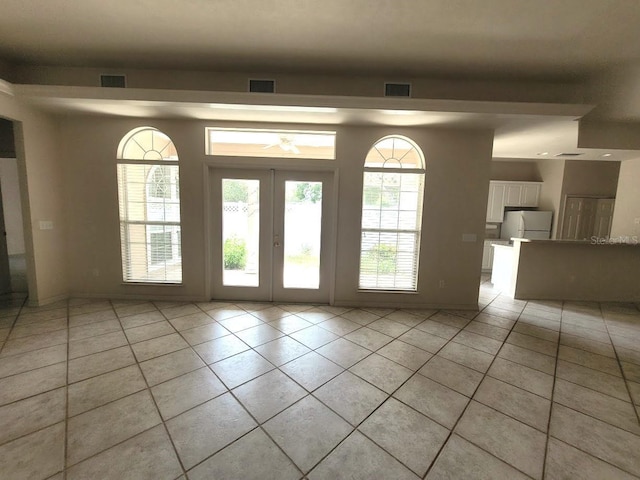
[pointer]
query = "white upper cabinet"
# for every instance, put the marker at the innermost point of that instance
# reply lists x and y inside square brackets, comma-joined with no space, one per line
[510,194]
[495,205]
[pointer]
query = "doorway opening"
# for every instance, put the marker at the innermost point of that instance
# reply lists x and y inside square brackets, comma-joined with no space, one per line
[13,268]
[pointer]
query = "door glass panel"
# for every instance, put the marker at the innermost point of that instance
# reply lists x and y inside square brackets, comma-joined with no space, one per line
[240,232]
[302,230]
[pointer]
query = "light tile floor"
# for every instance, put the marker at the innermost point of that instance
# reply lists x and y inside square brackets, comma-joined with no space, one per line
[160,390]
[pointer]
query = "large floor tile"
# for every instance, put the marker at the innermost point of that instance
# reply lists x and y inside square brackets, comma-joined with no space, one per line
[369,338]
[147,332]
[338,325]
[282,350]
[432,399]
[252,457]
[241,368]
[461,459]
[533,343]
[314,336]
[515,402]
[269,394]
[589,360]
[311,370]
[166,367]
[99,363]
[453,375]
[34,342]
[307,431]
[439,329]
[523,377]
[594,379]
[528,358]
[32,360]
[603,407]
[220,348]
[405,354]
[409,436]
[479,342]
[158,346]
[204,333]
[467,356]
[31,414]
[148,455]
[97,391]
[351,397]
[343,352]
[202,431]
[259,334]
[33,382]
[604,441]
[96,430]
[425,341]
[514,442]
[358,458]
[186,391]
[290,324]
[381,372]
[35,456]
[565,462]
[102,343]
[94,329]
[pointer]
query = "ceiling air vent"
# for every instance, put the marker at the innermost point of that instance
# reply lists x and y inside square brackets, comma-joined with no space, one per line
[113,81]
[262,86]
[568,154]
[397,89]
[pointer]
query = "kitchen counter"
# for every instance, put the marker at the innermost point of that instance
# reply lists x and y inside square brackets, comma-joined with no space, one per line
[570,270]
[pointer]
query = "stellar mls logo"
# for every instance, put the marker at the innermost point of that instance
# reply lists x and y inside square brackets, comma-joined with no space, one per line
[622,239]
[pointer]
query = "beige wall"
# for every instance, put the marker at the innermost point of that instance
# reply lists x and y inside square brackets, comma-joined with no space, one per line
[552,175]
[509,90]
[626,215]
[12,205]
[40,174]
[454,204]
[514,170]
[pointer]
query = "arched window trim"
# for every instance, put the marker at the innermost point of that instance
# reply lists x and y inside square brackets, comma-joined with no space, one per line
[391,222]
[150,228]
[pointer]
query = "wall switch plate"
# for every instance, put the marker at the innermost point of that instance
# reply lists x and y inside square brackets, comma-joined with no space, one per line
[636,221]
[46,225]
[469,237]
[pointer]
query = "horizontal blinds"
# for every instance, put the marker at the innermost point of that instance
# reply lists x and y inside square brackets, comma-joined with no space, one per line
[391,221]
[149,205]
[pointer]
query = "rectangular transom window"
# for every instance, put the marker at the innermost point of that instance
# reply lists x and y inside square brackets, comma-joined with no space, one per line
[236,142]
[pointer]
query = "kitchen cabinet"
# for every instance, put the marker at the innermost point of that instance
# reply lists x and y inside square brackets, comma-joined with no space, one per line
[510,194]
[495,205]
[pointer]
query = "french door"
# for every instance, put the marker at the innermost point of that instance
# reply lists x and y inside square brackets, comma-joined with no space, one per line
[271,235]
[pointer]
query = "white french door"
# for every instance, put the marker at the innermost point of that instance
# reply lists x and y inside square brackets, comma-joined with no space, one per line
[271,235]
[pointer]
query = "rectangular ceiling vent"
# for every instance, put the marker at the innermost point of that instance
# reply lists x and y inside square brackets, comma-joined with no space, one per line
[262,86]
[113,81]
[568,154]
[397,89]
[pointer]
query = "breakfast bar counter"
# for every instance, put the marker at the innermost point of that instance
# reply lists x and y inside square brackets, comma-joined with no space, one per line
[599,270]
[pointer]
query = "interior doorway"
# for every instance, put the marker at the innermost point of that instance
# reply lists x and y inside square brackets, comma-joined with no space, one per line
[13,269]
[271,235]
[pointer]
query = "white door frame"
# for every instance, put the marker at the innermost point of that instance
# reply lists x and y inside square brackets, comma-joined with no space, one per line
[235,163]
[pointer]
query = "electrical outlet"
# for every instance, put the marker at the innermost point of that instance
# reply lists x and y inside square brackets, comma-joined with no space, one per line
[95,272]
[441,284]
[46,225]
[636,220]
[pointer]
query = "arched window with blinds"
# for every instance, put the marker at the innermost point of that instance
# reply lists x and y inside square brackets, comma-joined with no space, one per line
[393,191]
[149,205]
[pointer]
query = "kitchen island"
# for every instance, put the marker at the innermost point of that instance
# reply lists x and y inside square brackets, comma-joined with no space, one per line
[598,270]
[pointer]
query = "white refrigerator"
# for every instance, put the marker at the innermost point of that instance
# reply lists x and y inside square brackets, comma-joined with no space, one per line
[526,224]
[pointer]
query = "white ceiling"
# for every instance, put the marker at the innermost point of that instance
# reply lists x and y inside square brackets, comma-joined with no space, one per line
[480,37]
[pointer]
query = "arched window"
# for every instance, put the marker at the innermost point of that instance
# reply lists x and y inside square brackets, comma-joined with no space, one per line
[392,193]
[149,201]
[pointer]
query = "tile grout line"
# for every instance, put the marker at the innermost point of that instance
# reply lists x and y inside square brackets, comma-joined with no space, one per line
[66,407]
[619,362]
[553,391]
[259,425]
[451,432]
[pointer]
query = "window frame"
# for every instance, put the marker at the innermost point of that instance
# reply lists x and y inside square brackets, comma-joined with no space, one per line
[383,170]
[171,208]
